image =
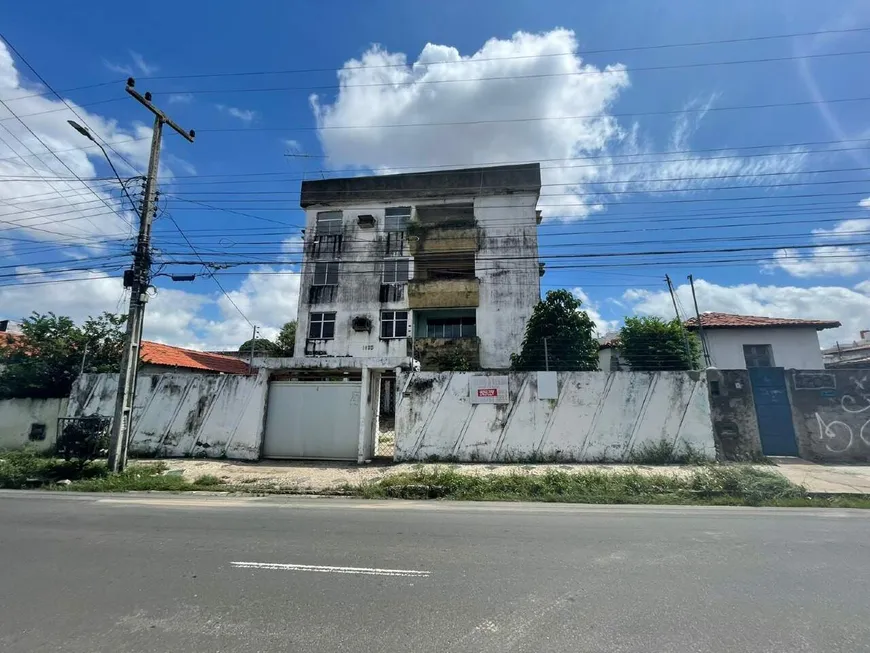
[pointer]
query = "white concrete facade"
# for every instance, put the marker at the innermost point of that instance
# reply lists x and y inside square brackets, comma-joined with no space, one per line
[17,417]
[595,416]
[792,347]
[177,415]
[505,265]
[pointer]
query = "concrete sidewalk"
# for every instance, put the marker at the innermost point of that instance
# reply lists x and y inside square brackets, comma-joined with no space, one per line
[832,479]
[316,477]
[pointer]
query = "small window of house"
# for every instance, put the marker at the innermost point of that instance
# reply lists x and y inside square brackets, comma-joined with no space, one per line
[394,324]
[396,271]
[328,223]
[325,273]
[758,355]
[397,218]
[321,326]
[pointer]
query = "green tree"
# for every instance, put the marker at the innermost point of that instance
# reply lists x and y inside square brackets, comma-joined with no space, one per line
[286,339]
[51,351]
[653,344]
[262,347]
[570,344]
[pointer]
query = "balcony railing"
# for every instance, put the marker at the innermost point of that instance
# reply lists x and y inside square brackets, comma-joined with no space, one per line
[443,293]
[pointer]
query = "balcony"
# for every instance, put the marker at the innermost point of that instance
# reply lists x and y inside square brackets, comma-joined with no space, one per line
[432,240]
[443,354]
[443,293]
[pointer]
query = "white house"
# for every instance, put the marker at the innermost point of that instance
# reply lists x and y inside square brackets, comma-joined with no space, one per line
[437,266]
[743,341]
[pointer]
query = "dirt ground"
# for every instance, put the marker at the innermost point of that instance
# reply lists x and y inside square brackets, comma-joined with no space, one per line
[317,477]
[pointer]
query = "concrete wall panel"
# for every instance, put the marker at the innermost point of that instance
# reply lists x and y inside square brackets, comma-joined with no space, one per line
[18,415]
[597,416]
[831,412]
[183,414]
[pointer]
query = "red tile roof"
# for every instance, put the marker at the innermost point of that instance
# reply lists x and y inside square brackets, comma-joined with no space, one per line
[7,337]
[730,321]
[156,354]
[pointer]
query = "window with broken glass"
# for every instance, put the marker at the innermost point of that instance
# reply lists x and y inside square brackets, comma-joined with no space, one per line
[396,224]
[328,237]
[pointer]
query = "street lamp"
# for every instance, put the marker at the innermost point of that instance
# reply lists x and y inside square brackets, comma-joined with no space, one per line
[87,134]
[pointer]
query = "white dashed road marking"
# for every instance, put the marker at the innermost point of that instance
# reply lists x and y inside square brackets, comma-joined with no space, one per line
[364,571]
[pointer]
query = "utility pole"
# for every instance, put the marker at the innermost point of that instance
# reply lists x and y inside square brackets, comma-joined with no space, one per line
[84,358]
[253,345]
[679,319]
[138,279]
[546,356]
[700,326]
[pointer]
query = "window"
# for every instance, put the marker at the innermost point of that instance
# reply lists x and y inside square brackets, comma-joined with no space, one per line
[395,243]
[325,274]
[321,326]
[394,324]
[397,218]
[396,271]
[328,223]
[452,327]
[758,355]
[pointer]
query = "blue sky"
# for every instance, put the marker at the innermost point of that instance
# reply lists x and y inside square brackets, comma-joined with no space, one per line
[611,186]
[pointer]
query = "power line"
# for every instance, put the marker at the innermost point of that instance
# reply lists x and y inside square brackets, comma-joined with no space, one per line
[219,285]
[580,73]
[452,167]
[453,123]
[765,37]
[62,162]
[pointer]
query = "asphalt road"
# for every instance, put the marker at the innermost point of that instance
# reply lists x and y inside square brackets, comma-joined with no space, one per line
[86,573]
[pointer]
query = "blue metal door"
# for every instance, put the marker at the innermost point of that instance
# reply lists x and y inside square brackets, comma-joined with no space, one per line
[773,410]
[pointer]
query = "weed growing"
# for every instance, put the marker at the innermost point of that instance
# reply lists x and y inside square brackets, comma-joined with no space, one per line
[709,485]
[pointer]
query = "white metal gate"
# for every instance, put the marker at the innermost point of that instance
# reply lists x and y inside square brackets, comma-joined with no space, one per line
[312,420]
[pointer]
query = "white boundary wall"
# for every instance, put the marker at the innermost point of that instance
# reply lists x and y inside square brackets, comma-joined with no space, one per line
[597,416]
[17,416]
[175,415]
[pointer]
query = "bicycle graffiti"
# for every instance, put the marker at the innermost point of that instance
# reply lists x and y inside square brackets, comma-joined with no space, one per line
[838,436]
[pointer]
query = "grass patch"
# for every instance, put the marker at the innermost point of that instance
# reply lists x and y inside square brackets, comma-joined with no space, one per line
[665,452]
[31,469]
[709,485]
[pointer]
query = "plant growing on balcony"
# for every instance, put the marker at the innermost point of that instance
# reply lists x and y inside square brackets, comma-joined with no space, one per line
[559,337]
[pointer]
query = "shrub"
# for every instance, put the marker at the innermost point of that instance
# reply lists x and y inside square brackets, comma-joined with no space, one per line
[82,440]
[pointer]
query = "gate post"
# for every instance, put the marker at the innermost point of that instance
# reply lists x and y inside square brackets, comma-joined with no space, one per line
[364,402]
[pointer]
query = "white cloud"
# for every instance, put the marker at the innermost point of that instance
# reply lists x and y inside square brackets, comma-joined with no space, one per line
[842,260]
[143,66]
[180,98]
[382,88]
[40,195]
[245,115]
[851,306]
[138,65]
[293,146]
[122,69]
[268,297]
[591,308]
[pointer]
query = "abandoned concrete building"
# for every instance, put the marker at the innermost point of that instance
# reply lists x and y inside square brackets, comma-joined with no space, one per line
[439,267]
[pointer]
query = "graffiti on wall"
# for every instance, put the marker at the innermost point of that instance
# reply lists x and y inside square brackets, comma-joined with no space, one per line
[839,436]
